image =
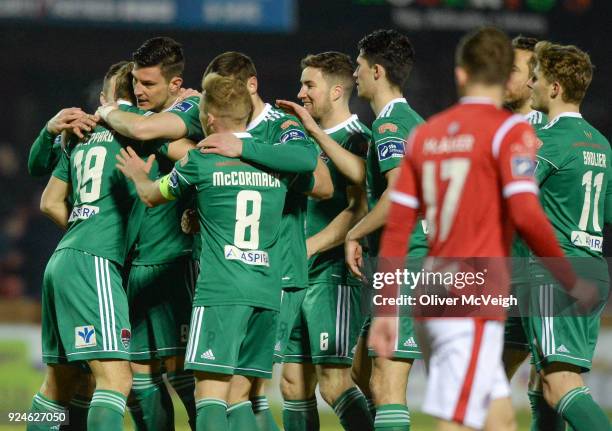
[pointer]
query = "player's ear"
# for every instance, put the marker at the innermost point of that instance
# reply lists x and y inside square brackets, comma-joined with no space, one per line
[555,90]
[102,98]
[175,84]
[252,85]
[378,71]
[337,92]
[461,76]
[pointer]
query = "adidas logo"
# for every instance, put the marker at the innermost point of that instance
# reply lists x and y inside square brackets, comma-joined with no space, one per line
[208,355]
[562,349]
[410,342]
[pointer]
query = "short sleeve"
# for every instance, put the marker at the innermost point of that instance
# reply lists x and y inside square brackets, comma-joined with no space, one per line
[549,160]
[183,177]
[390,142]
[188,110]
[406,191]
[289,130]
[516,159]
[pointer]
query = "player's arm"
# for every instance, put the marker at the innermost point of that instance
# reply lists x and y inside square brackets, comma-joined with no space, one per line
[176,150]
[137,170]
[162,125]
[45,151]
[335,232]
[291,157]
[349,164]
[53,202]
[373,221]
[323,187]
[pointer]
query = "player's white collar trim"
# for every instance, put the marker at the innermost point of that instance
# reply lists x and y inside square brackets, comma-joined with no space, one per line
[242,135]
[255,121]
[569,114]
[341,125]
[124,102]
[477,100]
[384,111]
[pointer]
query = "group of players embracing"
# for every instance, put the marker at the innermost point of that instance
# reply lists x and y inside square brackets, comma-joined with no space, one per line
[209,235]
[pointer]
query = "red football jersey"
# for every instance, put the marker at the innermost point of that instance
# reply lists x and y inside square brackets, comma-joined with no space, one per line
[460,167]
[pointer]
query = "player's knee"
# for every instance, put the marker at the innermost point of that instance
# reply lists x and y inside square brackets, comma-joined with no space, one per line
[290,388]
[115,376]
[333,382]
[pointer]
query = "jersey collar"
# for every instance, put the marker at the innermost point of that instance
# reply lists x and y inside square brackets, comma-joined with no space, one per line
[124,102]
[570,115]
[255,121]
[242,135]
[384,111]
[476,100]
[341,125]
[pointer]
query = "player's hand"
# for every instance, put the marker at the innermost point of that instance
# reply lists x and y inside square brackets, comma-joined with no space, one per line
[63,119]
[383,333]
[105,110]
[184,93]
[586,295]
[354,256]
[83,125]
[132,166]
[189,222]
[310,247]
[224,144]
[302,113]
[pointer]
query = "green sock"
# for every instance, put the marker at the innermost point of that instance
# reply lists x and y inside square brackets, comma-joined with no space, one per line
[543,416]
[301,415]
[77,411]
[183,383]
[211,415]
[582,412]
[371,407]
[106,411]
[392,417]
[42,404]
[151,407]
[263,414]
[352,410]
[240,417]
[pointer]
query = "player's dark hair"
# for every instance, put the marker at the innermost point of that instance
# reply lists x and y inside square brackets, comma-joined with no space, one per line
[234,64]
[112,71]
[392,50]
[164,52]
[486,55]
[568,65]
[525,43]
[334,65]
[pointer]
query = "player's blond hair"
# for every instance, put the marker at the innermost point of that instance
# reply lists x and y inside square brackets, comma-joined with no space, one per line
[568,65]
[226,97]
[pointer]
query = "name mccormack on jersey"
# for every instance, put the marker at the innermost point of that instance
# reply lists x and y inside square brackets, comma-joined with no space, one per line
[253,179]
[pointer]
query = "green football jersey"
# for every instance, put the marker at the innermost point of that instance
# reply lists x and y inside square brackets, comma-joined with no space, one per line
[574,175]
[329,266]
[390,130]
[274,127]
[239,208]
[44,154]
[103,197]
[159,237]
[520,250]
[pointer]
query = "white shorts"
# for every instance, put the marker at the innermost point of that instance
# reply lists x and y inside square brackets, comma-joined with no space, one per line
[465,370]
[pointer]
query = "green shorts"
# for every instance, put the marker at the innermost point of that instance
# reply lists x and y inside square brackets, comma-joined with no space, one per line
[406,344]
[160,299]
[232,339]
[569,338]
[327,326]
[84,309]
[291,303]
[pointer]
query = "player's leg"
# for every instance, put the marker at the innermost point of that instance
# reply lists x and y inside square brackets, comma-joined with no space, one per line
[211,393]
[390,379]
[113,384]
[150,404]
[563,349]
[333,316]
[78,407]
[261,407]
[183,383]
[361,370]
[516,347]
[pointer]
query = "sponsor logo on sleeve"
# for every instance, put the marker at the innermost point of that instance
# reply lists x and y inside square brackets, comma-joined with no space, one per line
[291,135]
[390,149]
[183,106]
[387,127]
[84,336]
[250,257]
[173,179]
[523,166]
[288,124]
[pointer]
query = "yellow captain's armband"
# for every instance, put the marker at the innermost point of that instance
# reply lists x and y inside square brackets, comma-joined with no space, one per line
[165,186]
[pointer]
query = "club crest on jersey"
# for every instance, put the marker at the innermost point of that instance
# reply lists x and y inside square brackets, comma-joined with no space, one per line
[183,106]
[390,149]
[84,336]
[523,166]
[288,124]
[387,127]
[126,336]
[291,135]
